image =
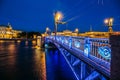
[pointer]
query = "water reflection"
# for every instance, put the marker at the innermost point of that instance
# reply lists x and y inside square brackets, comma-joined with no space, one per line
[34,42]
[19,61]
[12,52]
[40,64]
[57,68]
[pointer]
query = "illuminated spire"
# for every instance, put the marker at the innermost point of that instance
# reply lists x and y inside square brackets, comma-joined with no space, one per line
[9,25]
[90,28]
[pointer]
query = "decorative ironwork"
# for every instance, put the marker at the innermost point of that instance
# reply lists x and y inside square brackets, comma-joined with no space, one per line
[105,52]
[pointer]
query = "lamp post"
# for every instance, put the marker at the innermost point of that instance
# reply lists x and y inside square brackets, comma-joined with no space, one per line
[47,31]
[109,23]
[57,18]
[76,31]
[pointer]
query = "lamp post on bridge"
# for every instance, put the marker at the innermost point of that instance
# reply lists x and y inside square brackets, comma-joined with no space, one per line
[76,31]
[109,22]
[47,31]
[57,19]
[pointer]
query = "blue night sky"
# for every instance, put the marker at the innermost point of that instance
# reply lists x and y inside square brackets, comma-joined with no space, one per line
[36,15]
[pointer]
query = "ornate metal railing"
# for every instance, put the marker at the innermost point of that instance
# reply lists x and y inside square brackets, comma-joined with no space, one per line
[96,49]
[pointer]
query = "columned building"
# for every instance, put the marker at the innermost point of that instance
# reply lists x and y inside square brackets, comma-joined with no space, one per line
[6,31]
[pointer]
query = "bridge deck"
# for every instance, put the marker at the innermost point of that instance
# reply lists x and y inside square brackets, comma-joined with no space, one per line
[100,64]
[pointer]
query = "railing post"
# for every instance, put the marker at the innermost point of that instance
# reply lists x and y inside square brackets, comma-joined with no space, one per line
[70,42]
[115,57]
[87,47]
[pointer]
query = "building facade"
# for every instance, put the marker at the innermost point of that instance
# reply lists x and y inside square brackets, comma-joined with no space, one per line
[7,32]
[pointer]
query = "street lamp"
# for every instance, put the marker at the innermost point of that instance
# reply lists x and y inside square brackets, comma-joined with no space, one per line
[57,17]
[76,31]
[109,23]
[47,31]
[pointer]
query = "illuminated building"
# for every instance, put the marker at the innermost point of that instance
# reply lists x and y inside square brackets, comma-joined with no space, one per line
[66,33]
[7,32]
[91,34]
[97,34]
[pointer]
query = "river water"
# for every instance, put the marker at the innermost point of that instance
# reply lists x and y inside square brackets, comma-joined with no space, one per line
[19,60]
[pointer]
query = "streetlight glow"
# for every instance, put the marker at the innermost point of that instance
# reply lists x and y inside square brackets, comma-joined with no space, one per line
[58,16]
[58,20]
[47,29]
[76,30]
[109,22]
[106,21]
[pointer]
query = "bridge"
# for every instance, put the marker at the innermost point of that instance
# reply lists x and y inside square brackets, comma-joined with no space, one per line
[88,58]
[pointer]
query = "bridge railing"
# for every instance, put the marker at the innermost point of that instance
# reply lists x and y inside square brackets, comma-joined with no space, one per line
[96,49]
[100,51]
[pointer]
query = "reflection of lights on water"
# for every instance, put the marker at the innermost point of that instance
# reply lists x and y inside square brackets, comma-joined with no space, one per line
[12,53]
[105,52]
[18,41]
[11,46]
[40,64]
[1,41]
[46,50]
[37,47]
[33,42]
[26,42]
[6,41]
[77,44]
[46,45]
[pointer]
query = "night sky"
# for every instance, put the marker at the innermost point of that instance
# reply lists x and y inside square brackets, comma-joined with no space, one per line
[36,15]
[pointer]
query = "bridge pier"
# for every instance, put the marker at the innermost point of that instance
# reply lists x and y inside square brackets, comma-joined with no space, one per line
[115,57]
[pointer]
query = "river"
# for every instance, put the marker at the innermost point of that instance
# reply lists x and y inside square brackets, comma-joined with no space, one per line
[19,60]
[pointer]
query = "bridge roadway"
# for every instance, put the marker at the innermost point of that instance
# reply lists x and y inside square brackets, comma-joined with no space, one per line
[94,52]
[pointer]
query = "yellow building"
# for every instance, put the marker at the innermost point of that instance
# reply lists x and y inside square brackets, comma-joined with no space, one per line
[6,31]
[66,33]
[96,34]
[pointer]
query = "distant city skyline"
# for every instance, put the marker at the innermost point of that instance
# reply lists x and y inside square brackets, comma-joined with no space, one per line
[36,15]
